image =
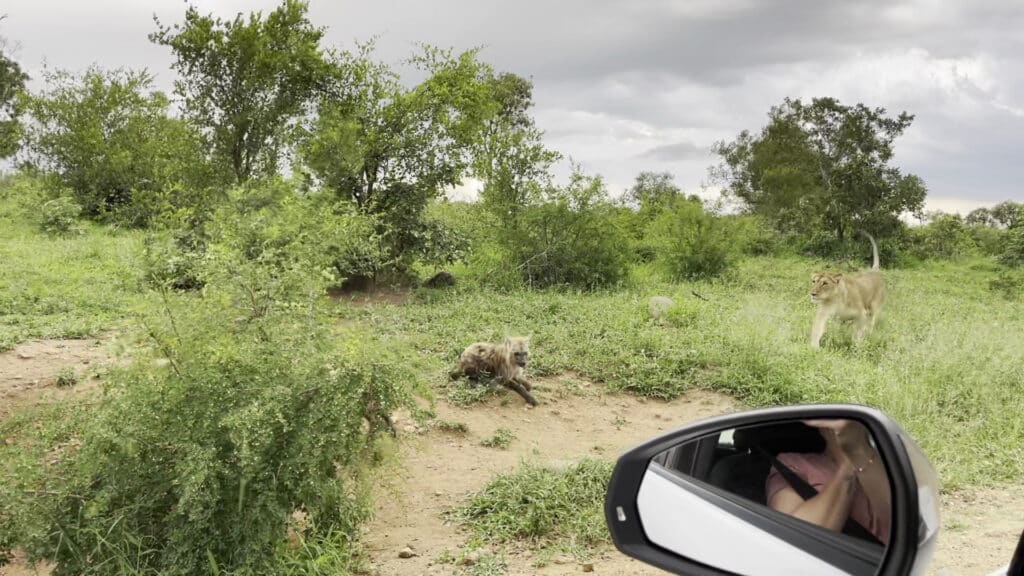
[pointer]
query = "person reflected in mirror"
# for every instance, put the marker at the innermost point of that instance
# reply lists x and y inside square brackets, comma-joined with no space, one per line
[849,476]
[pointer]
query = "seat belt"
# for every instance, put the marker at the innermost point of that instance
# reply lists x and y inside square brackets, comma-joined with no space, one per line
[806,491]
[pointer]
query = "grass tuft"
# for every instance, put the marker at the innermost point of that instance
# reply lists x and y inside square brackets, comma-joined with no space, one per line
[554,510]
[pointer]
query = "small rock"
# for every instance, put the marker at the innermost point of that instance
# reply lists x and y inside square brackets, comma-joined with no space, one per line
[25,356]
[563,560]
[18,377]
[588,567]
[406,553]
[86,361]
[438,494]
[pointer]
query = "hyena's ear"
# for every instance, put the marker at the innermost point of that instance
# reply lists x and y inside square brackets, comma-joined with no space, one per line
[815,276]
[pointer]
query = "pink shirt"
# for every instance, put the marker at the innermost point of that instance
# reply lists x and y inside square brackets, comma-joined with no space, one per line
[817,470]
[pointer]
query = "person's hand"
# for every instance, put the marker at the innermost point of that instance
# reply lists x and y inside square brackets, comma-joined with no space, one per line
[844,438]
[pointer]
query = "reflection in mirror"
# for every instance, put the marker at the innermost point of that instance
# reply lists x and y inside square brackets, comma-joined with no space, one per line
[825,472]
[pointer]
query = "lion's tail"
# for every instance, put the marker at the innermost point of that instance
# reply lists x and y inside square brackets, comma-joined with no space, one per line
[874,250]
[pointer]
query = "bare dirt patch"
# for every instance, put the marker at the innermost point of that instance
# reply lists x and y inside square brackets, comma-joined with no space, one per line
[28,374]
[372,297]
[980,529]
[439,470]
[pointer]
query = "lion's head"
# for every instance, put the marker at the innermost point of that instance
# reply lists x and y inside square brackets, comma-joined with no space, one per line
[824,286]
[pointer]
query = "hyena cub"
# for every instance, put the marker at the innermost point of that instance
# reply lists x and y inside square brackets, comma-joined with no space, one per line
[505,362]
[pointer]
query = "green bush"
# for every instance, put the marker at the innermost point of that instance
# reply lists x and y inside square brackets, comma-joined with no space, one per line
[945,237]
[109,138]
[169,261]
[196,464]
[270,224]
[691,243]
[60,216]
[1012,253]
[753,235]
[22,195]
[988,239]
[1009,284]
[573,246]
[473,222]
[568,238]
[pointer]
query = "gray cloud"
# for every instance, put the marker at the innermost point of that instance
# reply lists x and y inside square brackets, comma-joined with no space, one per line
[677,151]
[625,86]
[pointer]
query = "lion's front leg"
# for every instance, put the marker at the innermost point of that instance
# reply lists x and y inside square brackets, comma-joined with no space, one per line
[819,327]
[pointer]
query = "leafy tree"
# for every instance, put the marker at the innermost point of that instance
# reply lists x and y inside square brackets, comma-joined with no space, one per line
[391,149]
[822,165]
[652,192]
[1008,214]
[981,217]
[12,84]
[511,159]
[247,81]
[107,137]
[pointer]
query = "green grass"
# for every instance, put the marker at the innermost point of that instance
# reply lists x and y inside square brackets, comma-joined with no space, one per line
[551,511]
[451,427]
[66,377]
[945,360]
[502,439]
[63,287]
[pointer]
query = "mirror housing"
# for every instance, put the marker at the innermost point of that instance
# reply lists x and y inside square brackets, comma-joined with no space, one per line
[913,484]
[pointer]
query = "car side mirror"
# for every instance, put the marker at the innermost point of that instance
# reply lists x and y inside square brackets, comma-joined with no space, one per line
[823,489]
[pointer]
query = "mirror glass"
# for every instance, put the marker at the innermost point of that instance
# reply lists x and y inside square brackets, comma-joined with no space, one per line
[813,496]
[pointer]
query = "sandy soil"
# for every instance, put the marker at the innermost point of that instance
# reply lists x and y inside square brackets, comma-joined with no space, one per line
[28,374]
[439,470]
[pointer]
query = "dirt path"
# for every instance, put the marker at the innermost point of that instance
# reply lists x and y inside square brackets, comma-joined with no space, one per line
[980,529]
[439,469]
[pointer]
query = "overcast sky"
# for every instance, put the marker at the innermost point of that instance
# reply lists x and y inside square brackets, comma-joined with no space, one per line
[629,85]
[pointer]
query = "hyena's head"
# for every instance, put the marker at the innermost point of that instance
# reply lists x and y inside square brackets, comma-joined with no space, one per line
[518,349]
[823,286]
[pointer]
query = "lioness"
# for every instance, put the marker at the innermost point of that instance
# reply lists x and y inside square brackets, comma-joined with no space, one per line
[858,297]
[504,361]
